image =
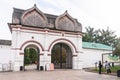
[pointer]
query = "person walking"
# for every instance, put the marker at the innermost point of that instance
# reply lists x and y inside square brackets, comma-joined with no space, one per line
[107,67]
[100,67]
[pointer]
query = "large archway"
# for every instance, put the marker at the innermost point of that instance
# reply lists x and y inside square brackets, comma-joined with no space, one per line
[61,56]
[31,57]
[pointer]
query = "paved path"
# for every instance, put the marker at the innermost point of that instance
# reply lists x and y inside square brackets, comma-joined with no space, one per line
[55,75]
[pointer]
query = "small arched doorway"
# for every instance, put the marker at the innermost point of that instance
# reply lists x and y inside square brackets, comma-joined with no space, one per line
[31,58]
[61,56]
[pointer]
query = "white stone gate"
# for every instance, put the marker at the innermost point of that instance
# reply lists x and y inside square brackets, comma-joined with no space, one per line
[33,27]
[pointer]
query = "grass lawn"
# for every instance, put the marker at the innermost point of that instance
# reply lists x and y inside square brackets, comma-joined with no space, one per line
[113,69]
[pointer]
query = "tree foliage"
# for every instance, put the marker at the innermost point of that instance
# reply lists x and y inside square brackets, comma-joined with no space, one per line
[107,37]
[26,57]
[117,48]
[89,35]
[100,36]
[30,56]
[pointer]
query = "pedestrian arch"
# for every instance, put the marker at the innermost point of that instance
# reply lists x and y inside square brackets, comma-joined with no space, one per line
[31,55]
[31,42]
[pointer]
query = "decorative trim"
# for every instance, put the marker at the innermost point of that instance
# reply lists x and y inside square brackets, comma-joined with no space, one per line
[41,54]
[63,15]
[31,41]
[51,33]
[74,55]
[64,40]
[48,54]
[15,48]
[49,30]
[21,53]
[34,8]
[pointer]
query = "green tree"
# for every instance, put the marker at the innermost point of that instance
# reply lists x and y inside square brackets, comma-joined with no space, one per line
[89,35]
[26,57]
[116,42]
[107,37]
[30,56]
[100,36]
[117,48]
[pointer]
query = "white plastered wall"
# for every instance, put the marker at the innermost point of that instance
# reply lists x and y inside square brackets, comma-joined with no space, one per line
[90,56]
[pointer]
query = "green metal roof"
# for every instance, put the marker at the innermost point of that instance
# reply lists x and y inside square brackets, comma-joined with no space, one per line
[92,45]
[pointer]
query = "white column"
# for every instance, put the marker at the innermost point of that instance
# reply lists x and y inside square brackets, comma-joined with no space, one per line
[74,64]
[80,60]
[46,58]
[18,60]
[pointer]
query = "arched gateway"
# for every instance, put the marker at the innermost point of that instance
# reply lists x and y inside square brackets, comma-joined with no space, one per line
[31,51]
[48,38]
[61,56]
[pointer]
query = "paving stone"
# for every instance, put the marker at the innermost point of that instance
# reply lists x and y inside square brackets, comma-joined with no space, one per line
[55,75]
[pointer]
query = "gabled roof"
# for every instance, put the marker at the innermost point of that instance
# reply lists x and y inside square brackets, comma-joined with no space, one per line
[17,13]
[50,20]
[91,45]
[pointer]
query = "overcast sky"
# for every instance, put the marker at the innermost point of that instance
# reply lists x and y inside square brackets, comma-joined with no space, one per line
[94,13]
